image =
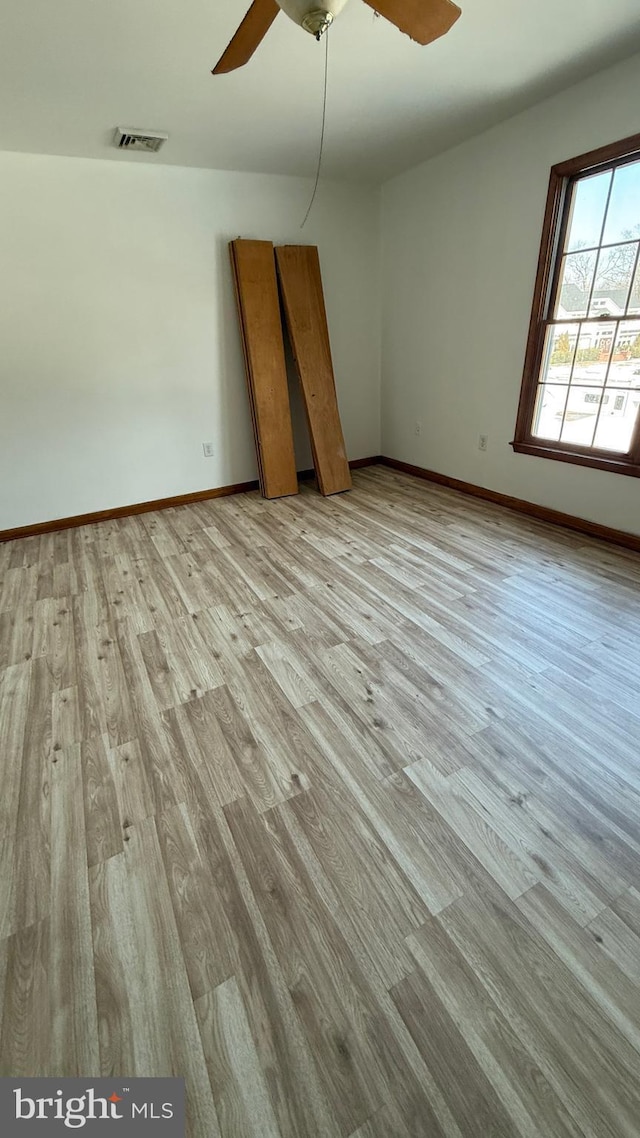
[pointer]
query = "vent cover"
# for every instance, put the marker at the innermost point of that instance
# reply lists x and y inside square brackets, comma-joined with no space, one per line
[147,140]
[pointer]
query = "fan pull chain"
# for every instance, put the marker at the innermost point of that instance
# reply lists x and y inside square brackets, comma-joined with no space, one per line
[324,119]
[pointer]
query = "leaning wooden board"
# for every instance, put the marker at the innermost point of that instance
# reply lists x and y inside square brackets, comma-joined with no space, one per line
[260,324]
[247,368]
[301,285]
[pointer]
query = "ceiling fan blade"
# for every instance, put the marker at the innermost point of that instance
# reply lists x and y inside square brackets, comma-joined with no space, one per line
[249,35]
[423,20]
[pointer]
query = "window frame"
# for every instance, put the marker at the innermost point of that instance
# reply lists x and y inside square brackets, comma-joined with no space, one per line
[554,231]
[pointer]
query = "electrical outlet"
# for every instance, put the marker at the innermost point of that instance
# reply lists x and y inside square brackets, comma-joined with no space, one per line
[418,427]
[483,442]
[207,450]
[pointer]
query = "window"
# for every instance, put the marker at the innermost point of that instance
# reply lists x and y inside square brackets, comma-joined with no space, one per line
[580,398]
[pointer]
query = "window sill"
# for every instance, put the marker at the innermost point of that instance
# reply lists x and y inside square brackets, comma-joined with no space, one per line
[600,460]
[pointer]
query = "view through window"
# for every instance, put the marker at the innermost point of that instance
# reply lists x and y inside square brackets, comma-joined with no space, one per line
[582,390]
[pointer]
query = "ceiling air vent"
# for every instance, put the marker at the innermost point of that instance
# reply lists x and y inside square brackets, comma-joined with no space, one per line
[147,140]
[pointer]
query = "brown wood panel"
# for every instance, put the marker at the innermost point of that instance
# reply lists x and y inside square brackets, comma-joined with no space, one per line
[423,22]
[259,313]
[247,365]
[301,284]
[248,37]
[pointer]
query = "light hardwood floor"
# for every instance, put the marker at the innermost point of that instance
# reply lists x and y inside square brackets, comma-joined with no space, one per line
[331,806]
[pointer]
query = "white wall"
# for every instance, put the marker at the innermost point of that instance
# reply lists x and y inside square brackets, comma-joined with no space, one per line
[461,235]
[119,344]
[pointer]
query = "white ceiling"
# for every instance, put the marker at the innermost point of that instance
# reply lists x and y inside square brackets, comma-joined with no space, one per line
[71,70]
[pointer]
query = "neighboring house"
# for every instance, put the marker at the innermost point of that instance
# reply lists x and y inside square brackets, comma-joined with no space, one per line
[604,302]
[602,399]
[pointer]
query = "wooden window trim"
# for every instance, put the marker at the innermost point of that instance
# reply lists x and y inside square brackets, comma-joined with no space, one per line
[554,228]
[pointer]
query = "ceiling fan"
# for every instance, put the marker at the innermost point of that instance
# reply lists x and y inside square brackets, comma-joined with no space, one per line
[423,20]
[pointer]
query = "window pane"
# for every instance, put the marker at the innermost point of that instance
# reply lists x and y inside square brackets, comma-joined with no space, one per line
[576,278]
[615,269]
[587,213]
[634,296]
[623,215]
[617,420]
[547,418]
[593,353]
[625,364]
[558,353]
[580,415]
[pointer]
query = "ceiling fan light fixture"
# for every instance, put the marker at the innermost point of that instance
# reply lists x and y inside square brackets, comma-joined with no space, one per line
[317,22]
[313,17]
[423,20]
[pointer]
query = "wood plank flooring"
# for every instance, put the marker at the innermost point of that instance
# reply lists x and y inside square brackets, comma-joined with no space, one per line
[332,807]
